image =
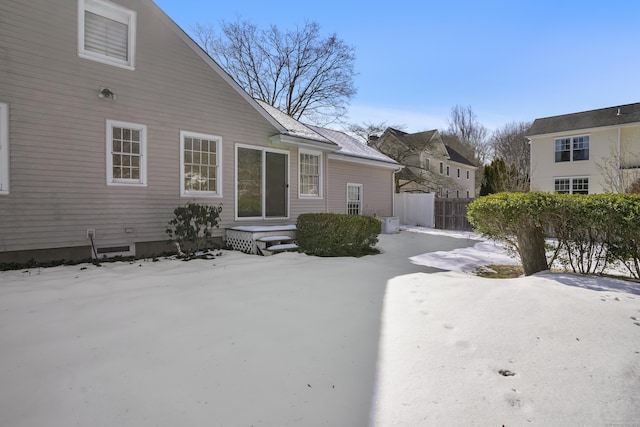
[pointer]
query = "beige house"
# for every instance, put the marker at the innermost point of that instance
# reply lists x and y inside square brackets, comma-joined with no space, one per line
[111,117]
[594,151]
[430,165]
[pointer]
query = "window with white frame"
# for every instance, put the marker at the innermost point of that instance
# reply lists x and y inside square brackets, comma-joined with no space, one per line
[310,173]
[354,199]
[572,148]
[126,153]
[4,148]
[106,32]
[200,167]
[571,185]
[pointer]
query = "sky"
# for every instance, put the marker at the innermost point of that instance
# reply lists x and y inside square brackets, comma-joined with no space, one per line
[508,60]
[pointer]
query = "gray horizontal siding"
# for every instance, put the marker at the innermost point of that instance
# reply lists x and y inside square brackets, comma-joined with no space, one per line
[376,187]
[57,128]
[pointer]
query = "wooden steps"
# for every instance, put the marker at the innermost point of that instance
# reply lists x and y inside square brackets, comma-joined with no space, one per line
[262,240]
[270,245]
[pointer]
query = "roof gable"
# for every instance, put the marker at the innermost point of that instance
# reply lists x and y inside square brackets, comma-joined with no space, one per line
[454,156]
[211,62]
[611,116]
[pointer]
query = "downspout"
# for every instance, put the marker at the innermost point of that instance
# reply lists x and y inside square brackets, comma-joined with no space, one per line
[326,184]
[619,163]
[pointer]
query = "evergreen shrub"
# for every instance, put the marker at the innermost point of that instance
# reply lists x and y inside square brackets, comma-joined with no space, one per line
[331,235]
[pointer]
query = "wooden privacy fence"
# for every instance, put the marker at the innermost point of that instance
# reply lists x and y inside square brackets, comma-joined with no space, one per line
[451,214]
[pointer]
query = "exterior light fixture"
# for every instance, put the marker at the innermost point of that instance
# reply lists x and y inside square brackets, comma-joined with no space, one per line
[106,93]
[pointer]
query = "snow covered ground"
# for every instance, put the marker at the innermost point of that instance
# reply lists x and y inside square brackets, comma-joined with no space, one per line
[405,338]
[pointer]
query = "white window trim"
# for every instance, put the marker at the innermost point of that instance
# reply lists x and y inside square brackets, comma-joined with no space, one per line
[571,149]
[320,194]
[264,184]
[4,148]
[351,184]
[571,178]
[218,139]
[142,182]
[117,13]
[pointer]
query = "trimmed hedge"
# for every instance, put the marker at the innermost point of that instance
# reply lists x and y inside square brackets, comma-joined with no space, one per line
[329,234]
[591,232]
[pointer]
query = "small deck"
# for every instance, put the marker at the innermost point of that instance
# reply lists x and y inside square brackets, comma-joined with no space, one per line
[262,239]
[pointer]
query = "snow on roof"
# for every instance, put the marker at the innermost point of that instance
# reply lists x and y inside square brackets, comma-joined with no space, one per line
[351,146]
[292,126]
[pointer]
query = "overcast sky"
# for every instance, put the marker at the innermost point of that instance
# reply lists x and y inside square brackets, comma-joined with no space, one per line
[508,60]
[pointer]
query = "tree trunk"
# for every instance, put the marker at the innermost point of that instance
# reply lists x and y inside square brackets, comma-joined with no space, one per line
[531,246]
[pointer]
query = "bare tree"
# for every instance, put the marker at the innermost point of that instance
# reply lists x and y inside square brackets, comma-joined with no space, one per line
[510,144]
[467,136]
[621,168]
[368,132]
[301,72]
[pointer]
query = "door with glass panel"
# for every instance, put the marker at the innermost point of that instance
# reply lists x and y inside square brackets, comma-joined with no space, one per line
[262,183]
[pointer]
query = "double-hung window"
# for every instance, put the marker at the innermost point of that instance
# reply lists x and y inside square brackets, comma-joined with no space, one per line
[572,148]
[200,170]
[310,172]
[571,185]
[4,148]
[126,154]
[354,199]
[106,32]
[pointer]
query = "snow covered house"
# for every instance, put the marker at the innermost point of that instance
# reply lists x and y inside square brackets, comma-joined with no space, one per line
[111,116]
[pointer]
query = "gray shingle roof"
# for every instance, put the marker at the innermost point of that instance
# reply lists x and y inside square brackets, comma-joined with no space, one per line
[611,116]
[351,146]
[457,157]
[294,127]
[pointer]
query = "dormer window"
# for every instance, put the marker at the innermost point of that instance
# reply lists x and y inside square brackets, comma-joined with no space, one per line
[106,33]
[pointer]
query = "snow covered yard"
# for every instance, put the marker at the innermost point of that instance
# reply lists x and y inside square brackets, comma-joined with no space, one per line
[293,340]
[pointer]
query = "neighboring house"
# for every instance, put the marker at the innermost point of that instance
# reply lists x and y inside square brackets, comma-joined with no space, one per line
[111,117]
[588,152]
[430,165]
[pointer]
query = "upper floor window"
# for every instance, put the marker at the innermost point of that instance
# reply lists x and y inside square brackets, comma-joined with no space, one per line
[458,172]
[106,33]
[4,148]
[310,171]
[441,168]
[571,185]
[468,174]
[448,170]
[200,171]
[572,148]
[126,154]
